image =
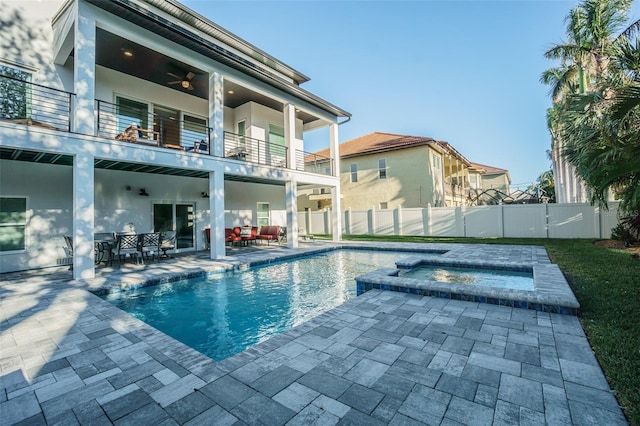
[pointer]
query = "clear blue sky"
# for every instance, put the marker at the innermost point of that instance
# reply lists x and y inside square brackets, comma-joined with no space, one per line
[466,72]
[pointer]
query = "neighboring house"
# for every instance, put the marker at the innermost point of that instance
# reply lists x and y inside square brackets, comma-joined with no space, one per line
[489,177]
[143,115]
[385,170]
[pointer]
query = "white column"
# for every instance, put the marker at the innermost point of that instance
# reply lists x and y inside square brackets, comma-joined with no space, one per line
[336,205]
[84,70]
[334,149]
[290,135]
[216,218]
[216,112]
[83,217]
[291,201]
[336,215]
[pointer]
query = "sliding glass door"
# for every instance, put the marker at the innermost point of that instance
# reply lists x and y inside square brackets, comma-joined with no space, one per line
[176,217]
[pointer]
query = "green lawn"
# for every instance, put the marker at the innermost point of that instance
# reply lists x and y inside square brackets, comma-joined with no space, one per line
[607,285]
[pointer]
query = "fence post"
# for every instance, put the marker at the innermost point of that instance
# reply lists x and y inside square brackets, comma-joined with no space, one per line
[546,218]
[397,226]
[426,220]
[347,221]
[372,221]
[596,222]
[501,218]
[327,218]
[460,228]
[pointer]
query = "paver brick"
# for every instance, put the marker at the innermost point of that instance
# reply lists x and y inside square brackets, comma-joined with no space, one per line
[456,386]
[275,381]
[296,396]
[325,383]
[361,398]
[469,413]
[259,410]
[189,407]
[227,392]
[524,392]
[366,372]
[126,404]
[425,404]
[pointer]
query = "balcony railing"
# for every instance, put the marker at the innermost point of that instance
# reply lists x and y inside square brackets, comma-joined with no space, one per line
[139,126]
[314,163]
[253,150]
[26,103]
[23,102]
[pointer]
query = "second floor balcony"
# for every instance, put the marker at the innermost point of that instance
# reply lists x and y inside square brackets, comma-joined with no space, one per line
[26,103]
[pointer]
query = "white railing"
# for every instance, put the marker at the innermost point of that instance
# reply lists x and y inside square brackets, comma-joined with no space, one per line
[507,221]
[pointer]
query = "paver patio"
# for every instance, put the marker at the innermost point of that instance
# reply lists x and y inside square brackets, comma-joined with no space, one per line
[69,357]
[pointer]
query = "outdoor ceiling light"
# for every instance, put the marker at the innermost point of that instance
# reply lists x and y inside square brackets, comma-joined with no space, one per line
[127,53]
[143,192]
[185,84]
[231,92]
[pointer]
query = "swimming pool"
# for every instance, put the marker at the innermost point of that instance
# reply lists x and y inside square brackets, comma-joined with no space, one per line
[226,314]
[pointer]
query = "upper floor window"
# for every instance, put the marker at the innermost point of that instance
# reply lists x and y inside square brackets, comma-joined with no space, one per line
[384,205]
[276,141]
[382,168]
[13,223]
[16,94]
[435,161]
[354,172]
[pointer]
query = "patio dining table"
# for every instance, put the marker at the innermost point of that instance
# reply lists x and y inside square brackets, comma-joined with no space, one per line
[103,243]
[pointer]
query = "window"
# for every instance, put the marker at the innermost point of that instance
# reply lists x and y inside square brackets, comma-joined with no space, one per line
[276,141]
[130,111]
[382,168]
[435,160]
[16,99]
[13,223]
[354,172]
[263,214]
[242,131]
[384,206]
[194,129]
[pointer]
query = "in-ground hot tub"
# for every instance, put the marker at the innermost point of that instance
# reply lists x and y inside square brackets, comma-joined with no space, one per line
[546,290]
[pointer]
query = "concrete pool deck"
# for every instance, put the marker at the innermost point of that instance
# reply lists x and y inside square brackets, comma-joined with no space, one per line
[69,357]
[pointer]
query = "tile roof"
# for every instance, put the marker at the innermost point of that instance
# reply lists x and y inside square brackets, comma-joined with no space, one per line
[380,142]
[488,169]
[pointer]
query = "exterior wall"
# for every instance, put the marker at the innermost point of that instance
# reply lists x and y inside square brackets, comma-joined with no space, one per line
[241,199]
[409,181]
[497,181]
[48,189]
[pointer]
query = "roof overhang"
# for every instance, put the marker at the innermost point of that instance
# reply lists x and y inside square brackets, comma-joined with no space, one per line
[200,35]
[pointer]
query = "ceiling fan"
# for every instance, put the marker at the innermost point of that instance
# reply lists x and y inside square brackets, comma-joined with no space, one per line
[185,81]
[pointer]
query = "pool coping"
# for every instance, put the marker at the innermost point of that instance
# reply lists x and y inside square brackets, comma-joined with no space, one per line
[551,291]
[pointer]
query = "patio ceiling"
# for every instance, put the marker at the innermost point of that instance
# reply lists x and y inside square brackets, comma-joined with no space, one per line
[67,160]
[149,65]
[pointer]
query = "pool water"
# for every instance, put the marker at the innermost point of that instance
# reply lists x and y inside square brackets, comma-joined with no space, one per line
[224,315]
[513,280]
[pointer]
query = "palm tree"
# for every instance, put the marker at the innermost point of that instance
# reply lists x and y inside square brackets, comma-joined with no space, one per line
[593,64]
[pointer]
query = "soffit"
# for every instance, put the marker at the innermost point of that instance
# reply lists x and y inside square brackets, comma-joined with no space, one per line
[67,160]
[144,18]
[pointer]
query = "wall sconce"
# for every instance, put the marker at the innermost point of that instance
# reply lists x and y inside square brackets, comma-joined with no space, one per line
[205,195]
[143,192]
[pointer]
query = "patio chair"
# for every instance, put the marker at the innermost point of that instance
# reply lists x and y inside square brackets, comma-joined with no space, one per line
[149,245]
[167,242]
[126,245]
[269,233]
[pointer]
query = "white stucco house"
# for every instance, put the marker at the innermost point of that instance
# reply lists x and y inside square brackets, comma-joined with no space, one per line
[142,115]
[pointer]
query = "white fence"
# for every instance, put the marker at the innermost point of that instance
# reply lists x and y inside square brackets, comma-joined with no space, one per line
[509,221]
